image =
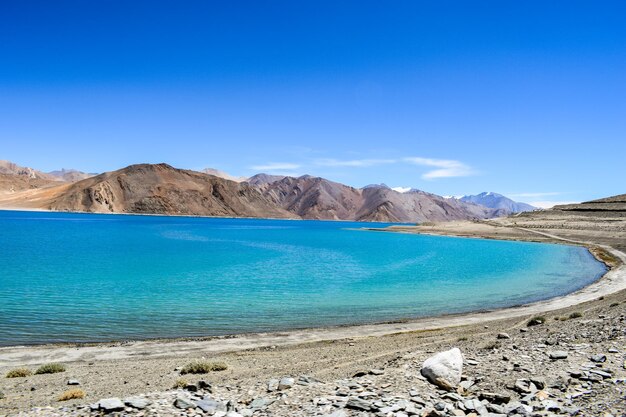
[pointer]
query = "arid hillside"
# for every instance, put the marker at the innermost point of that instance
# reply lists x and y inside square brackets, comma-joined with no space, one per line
[152,189]
[317,198]
[163,189]
[15,178]
[11,184]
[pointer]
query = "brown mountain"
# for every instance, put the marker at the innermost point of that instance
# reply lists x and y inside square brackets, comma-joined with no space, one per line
[15,178]
[11,184]
[222,174]
[263,179]
[10,168]
[162,189]
[317,198]
[70,175]
[314,197]
[417,206]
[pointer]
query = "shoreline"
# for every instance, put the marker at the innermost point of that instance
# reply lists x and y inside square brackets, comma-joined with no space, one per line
[612,281]
[193,216]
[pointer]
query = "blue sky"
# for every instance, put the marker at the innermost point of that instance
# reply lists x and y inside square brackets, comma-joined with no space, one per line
[523,98]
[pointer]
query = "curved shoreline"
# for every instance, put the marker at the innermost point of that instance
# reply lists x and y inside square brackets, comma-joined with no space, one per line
[613,281]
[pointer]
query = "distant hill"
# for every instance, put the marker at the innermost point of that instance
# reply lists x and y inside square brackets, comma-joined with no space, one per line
[163,189]
[70,175]
[66,175]
[497,201]
[263,179]
[11,184]
[15,178]
[385,186]
[314,198]
[222,174]
[10,168]
[317,198]
[615,203]
[603,219]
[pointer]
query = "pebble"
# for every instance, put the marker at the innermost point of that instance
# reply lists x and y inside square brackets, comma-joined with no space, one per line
[210,406]
[286,383]
[184,403]
[598,358]
[137,402]
[359,404]
[109,405]
[558,354]
[272,385]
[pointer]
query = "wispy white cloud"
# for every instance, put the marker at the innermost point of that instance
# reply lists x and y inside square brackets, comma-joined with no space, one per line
[446,168]
[401,189]
[550,204]
[353,163]
[276,166]
[443,168]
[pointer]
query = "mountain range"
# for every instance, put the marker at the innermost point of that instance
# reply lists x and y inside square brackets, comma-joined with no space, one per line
[497,201]
[65,175]
[163,189]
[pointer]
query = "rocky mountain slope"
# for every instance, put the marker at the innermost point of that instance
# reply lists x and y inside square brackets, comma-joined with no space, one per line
[15,178]
[262,179]
[615,203]
[497,201]
[11,184]
[70,175]
[164,189]
[222,174]
[317,198]
[10,168]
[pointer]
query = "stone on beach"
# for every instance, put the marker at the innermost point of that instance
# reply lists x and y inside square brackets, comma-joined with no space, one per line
[557,354]
[260,403]
[444,369]
[211,406]
[109,405]
[137,402]
[272,385]
[359,404]
[286,383]
[184,403]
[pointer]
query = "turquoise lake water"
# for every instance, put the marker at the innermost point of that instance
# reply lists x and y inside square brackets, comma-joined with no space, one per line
[87,277]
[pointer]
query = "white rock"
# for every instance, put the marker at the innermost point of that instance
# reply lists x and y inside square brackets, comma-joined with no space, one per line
[557,354]
[286,383]
[339,413]
[444,369]
[108,405]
